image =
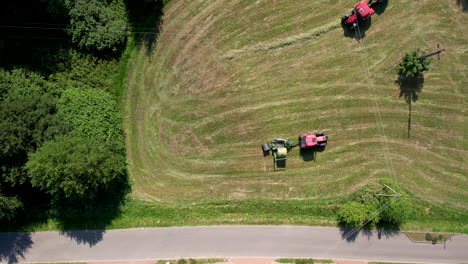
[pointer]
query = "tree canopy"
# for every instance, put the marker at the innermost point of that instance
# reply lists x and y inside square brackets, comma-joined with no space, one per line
[367,208]
[92,113]
[90,156]
[411,64]
[74,167]
[97,25]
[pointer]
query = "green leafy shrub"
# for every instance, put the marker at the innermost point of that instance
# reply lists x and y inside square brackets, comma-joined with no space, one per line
[396,213]
[9,207]
[375,210]
[428,237]
[411,66]
[84,71]
[97,25]
[352,214]
[74,167]
[92,113]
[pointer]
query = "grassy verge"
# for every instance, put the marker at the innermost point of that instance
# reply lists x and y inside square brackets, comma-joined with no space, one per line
[246,212]
[429,237]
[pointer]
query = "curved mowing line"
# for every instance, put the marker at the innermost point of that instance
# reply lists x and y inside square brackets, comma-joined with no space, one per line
[281,43]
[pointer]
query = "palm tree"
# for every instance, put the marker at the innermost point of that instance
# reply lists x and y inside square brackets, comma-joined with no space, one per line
[411,78]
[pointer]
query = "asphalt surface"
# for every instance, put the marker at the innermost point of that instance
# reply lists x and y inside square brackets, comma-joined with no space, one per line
[225,241]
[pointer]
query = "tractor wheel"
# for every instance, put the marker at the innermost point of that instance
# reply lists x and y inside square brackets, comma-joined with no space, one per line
[319,134]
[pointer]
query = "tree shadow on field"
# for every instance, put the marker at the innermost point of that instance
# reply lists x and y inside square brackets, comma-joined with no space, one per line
[359,32]
[350,234]
[463,4]
[13,246]
[145,19]
[86,221]
[410,88]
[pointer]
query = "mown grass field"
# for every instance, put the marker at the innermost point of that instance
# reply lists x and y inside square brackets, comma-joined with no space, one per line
[225,76]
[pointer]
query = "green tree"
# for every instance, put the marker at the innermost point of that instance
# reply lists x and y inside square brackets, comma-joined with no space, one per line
[412,66]
[352,214]
[92,113]
[411,78]
[97,25]
[74,167]
[26,114]
[9,207]
[376,210]
[396,213]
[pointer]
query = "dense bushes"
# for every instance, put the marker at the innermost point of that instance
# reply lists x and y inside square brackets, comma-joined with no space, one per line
[74,167]
[92,113]
[67,142]
[97,25]
[353,213]
[366,208]
[62,148]
[90,155]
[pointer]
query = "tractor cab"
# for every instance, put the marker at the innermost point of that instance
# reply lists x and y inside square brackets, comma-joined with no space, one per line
[361,12]
[364,10]
[310,140]
[279,149]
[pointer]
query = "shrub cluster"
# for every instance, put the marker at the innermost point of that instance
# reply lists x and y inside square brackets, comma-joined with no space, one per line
[366,208]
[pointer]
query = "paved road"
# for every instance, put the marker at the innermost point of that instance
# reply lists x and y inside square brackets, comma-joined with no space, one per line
[225,241]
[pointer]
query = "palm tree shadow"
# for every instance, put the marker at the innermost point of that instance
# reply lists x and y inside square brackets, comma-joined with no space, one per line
[13,246]
[410,88]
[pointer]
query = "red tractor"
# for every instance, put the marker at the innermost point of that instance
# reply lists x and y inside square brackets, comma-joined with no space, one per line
[310,140]
[360,13]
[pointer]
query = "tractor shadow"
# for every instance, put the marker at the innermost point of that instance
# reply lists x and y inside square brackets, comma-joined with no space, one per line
[279,165]
[380,7]
[410,88]
[358,33]
[310,154]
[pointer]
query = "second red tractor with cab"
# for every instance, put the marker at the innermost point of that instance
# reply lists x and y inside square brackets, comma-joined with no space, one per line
[310,140]
[360,13]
